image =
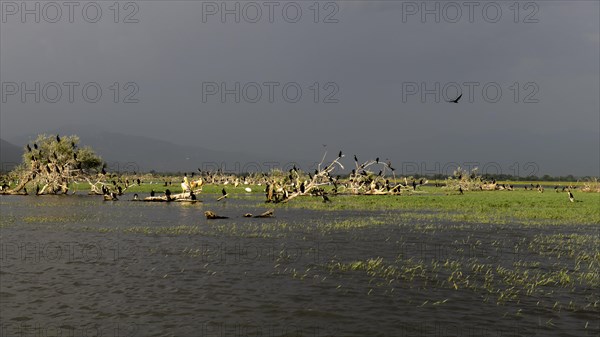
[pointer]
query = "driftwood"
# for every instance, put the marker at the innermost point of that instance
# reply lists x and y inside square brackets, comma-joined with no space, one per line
[212,215]
[12,192]
[267,214]
[362,181]
[171,199]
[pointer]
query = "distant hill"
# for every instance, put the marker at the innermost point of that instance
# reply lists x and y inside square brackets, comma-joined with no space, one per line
[138,153]
[10,155]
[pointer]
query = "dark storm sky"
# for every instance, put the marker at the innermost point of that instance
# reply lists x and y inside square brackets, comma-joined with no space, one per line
[368,60]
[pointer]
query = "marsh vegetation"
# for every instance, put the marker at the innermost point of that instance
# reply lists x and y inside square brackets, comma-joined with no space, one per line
[387,255]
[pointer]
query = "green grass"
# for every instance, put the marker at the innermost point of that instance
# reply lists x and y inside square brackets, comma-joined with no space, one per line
[479,206]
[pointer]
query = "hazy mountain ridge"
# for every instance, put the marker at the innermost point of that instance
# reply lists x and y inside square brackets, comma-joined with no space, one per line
[144,153]
[10,155]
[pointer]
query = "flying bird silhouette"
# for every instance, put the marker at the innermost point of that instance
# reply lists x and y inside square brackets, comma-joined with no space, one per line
[456,100]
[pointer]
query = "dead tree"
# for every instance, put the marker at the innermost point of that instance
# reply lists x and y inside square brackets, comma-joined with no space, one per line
[52,164]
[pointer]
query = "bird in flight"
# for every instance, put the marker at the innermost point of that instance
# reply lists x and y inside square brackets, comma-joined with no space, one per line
[456,100]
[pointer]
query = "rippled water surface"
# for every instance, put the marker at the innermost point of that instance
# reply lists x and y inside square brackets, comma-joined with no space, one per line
[79,266]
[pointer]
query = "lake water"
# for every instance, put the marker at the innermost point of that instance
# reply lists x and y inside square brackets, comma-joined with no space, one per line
[79,266]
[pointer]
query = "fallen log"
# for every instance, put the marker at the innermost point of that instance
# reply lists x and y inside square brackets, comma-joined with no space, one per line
[267,214]
[210,215]
[171,199]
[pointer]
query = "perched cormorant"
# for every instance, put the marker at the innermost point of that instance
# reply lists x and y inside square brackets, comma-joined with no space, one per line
[223,196]
[58,138]
[152,193]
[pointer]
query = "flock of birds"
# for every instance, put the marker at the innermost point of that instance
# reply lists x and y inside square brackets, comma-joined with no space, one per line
[277,189]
